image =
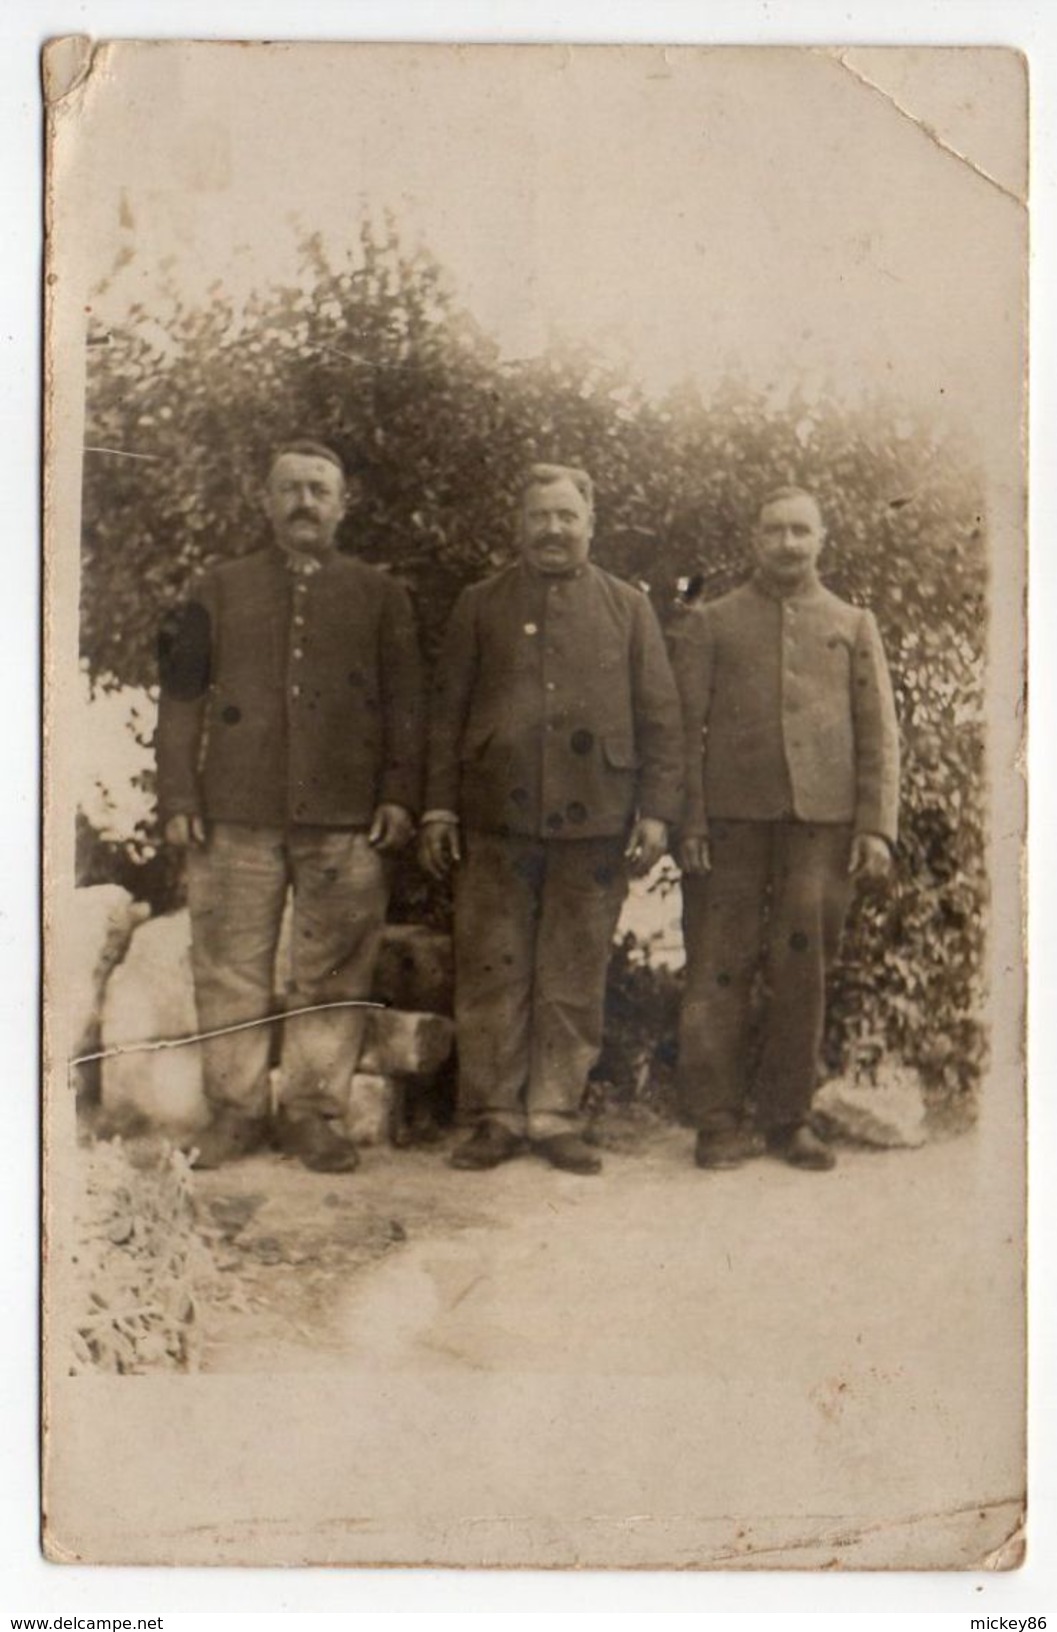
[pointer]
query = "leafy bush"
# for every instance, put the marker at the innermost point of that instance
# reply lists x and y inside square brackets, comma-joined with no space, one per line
[378,358]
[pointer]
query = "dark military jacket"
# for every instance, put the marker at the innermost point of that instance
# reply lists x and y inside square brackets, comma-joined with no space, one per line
[290,692]
[555,714]
[788,711]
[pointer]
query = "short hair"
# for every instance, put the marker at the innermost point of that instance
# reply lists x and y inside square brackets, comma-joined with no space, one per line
[305,446]
[788,491]
[544,475]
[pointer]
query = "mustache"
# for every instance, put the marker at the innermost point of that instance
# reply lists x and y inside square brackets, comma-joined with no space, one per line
[302,515]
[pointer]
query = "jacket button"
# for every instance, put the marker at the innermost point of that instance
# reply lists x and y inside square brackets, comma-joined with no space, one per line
[298,652]
[295,691]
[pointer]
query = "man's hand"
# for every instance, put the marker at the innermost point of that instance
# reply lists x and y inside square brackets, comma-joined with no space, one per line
[871,859]
[646,846]
[693,854]
[183,831]
[439,846]
[391,829]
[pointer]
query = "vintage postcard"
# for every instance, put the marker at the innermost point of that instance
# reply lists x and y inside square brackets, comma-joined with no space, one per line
[535,640]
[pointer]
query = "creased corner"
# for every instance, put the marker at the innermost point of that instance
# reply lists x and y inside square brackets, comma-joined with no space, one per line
[1010,1553]
[926,127]
[56,1552]
[67,64]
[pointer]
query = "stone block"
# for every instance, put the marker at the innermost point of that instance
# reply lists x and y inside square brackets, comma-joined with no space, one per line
[890,1114]
[399,1044]
[415,970]
[368,1116]
[149,999]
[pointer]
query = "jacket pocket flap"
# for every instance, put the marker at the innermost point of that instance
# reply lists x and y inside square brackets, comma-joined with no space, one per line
[620,753]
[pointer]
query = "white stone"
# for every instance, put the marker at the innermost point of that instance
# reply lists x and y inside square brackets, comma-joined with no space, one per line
[368,1115]
[402,1044]
[890,1114]
[99,927]
[150,999]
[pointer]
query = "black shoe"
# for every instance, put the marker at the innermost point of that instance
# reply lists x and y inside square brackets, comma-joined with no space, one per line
[802,1147]
[229,1137]
[569,1152]
[316,1143]
[719,1148]
[489,1145]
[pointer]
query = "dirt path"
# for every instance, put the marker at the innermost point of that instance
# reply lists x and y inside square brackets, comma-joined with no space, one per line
[657,1343]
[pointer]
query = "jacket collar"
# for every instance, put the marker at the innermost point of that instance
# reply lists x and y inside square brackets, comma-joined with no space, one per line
[533,575]
[803,591]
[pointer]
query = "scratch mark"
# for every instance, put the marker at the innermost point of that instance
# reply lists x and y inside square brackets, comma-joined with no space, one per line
[845,1536]
[467,1289]
[222,1031]
[435,1346]
[927,129]
[349,356]
[122,453]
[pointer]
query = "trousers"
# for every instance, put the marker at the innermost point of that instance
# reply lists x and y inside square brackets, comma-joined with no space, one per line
[237,887]
[534,926]
[772,906]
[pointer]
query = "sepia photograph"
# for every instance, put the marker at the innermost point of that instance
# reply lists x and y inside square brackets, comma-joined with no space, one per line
[535,670]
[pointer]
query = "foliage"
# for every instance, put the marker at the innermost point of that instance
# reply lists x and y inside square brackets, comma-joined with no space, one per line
[143,1262]
[378,358]
[638,1060]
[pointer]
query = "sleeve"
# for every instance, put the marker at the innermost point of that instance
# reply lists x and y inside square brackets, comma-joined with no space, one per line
[401,680]
[185,668]
[453,684]
[692,646]
[876,735]
[658,723]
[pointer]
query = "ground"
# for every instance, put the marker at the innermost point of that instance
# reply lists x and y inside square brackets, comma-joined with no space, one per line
[655,1365]
[821,1344]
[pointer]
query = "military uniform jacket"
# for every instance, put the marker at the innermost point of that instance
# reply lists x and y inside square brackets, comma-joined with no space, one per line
[290,694]
[555,711]
[788,711]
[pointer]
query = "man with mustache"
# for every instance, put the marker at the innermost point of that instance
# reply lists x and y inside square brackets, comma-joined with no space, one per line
[288,751]
[555,770]
[792,762]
